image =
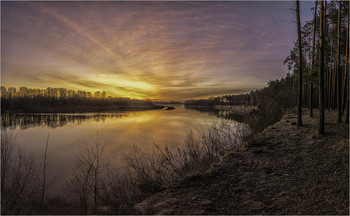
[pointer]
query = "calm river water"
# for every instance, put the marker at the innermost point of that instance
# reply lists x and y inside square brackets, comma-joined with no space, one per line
[70,133]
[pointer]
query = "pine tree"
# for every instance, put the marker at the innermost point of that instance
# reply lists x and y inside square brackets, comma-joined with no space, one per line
[300,59]
[321,73]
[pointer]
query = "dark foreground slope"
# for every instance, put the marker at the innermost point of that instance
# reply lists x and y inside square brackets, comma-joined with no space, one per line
[285,170]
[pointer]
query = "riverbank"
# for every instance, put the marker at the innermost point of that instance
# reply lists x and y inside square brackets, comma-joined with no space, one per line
[285,170]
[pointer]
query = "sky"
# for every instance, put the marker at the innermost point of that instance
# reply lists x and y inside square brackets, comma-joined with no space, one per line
[148,50]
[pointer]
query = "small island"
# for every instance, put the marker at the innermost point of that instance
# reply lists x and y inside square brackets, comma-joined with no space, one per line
[168,108]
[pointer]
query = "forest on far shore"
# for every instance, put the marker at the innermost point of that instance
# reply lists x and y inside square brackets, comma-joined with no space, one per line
[64,100]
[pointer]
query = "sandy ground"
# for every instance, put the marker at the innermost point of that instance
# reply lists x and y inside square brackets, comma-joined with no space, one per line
[285,170]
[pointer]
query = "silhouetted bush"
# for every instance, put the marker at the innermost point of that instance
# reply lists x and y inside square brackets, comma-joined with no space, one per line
[85,183]
[268,112]
[20,185]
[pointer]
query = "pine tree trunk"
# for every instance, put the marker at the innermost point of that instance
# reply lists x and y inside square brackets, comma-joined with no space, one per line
[328,81]
[334,102]
[327,70]
[347,110]
[331,81]
[346,73]
[300,70]
[338,65]
[321,75]
[313,62]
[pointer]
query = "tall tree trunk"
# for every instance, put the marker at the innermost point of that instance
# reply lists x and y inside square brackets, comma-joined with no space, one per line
[346,77]
[347,110]
[321,74]
[338,64]
[329,86]
[327,69]
[300,68]
[331,80]
[334,90]
[313,62]
[346,92]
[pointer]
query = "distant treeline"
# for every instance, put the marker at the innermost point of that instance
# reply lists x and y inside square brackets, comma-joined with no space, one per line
[12,92]
[63,100]
[167,102]
[278,89]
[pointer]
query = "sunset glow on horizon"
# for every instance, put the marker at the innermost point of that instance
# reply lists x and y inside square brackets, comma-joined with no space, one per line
[147,50]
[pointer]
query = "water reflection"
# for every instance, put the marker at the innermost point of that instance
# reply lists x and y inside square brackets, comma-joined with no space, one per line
[29,120]
[25,121]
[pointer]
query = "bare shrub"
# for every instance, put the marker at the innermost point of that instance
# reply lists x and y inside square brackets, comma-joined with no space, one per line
[19,178]
[151,171]
[269,111]
[119,192]
[145,168]
[85,183]
[219,137]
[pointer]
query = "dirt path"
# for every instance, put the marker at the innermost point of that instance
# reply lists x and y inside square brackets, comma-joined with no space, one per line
[286,170]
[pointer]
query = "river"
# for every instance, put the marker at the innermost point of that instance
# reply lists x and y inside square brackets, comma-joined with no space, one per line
[69,134]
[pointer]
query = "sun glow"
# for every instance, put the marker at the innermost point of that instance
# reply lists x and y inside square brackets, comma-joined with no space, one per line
[126,86]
